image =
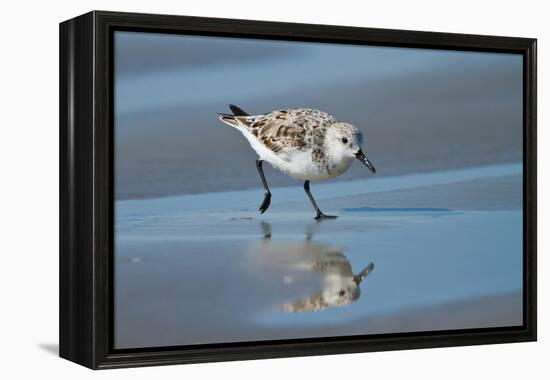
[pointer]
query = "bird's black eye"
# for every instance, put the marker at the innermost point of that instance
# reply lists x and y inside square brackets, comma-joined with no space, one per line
[344,140]
[341,293]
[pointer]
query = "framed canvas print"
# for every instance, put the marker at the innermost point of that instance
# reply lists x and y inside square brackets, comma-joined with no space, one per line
[236,189]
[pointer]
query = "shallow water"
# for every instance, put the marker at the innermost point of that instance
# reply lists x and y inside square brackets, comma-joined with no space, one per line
[191,276]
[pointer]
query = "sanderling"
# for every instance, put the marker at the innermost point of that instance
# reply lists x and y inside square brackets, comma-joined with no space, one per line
[339,286]
[306,144]
[299,261]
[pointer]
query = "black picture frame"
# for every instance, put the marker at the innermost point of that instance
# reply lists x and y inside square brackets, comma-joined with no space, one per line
[86,189]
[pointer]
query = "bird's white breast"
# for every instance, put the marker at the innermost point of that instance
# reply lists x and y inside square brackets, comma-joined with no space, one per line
[299,163]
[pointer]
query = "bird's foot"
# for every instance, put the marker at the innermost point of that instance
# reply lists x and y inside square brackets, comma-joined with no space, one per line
[320,217]
[265,204]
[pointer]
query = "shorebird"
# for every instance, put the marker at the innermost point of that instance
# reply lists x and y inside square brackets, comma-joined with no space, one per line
[306,144]
[307,260]
[340,287]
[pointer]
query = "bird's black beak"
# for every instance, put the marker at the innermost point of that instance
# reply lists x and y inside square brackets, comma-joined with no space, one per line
[361,275]
[361,157]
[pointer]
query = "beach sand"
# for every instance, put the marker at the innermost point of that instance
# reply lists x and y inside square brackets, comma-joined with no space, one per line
[440,222]
[448,113]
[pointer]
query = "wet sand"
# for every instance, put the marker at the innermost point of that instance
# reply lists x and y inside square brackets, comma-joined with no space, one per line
[206,268]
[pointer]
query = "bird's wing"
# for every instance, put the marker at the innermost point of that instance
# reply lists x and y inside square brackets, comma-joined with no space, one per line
[312,303]
[286,131]
[277,130]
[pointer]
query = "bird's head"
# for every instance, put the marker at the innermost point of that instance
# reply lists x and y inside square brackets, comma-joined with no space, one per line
[346,140]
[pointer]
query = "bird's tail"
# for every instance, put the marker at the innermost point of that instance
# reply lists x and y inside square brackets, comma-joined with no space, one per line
[237,111]
[232,119]
[228,119]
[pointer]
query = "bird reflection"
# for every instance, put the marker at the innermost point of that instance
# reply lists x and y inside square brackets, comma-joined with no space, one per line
[298,260]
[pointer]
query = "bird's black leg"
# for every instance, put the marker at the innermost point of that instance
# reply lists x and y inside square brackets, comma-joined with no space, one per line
[267,193]
[320,215]
[266,229]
